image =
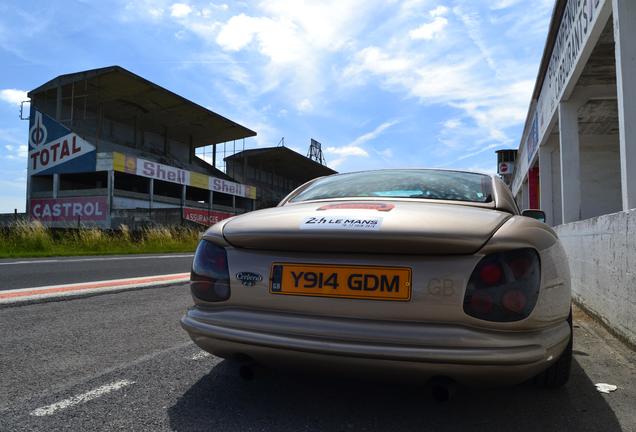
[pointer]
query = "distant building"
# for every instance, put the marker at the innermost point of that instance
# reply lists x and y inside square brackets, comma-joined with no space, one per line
[506,164]
[275,171]
[107,146]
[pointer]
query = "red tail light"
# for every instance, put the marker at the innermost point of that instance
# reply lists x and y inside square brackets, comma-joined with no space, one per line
[210,277]
[504,286]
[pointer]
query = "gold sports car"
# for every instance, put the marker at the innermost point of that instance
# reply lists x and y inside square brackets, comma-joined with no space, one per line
[433,273]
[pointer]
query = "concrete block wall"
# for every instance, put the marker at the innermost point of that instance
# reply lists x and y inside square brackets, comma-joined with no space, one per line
[602,257]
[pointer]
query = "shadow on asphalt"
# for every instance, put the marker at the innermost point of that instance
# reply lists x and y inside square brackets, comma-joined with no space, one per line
[279,401]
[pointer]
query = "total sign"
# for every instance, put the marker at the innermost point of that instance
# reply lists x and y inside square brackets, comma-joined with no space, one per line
[53,148]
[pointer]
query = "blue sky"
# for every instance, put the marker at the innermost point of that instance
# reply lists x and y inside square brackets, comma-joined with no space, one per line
[394,83]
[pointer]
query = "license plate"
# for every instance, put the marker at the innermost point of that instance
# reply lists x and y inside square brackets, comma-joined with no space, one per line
[356,282]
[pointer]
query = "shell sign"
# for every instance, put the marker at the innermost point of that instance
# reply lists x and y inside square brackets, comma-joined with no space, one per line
[53,148]
[155,170]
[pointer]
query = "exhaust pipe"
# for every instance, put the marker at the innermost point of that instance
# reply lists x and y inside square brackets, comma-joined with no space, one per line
[442,389]
[246,372]
[248,369]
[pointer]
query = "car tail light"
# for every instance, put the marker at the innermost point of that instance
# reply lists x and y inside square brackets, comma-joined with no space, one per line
[504,286]
[210,277]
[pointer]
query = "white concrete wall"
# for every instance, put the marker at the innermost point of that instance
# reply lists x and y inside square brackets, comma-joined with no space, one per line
[600,175]
[602,257]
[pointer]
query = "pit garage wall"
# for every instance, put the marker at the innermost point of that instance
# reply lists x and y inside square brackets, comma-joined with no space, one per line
[602,259]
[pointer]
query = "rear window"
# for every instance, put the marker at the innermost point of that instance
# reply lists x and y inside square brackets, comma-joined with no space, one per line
[427,184]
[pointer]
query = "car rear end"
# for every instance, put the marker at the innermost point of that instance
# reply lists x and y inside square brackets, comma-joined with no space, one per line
[481,304]
[440,322]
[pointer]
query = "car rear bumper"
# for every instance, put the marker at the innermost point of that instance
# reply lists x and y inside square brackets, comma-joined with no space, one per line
[465,354]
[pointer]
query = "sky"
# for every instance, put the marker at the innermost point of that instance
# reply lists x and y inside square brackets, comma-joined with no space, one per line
[381,84]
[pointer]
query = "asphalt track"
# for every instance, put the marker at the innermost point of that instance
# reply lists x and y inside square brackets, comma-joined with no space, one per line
[121,362]
[29,273]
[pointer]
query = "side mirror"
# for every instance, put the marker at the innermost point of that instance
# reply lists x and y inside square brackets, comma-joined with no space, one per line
[534,214]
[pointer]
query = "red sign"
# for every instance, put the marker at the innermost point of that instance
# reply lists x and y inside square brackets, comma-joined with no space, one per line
[204,217]
[505,168]
[69,209]
[383,207]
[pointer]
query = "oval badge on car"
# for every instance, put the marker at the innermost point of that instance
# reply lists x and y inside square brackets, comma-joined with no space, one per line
[249,278]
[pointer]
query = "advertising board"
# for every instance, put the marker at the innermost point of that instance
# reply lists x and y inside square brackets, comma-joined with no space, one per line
[71,209]
[158,171]
[204,217]
[53,148]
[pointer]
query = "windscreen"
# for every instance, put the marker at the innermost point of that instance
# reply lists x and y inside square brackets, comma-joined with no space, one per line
[425,184]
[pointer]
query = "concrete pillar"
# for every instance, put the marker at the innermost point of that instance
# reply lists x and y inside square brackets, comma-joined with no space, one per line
[557,208]
[533,188]
[56,185]
[545,183]
[151,195]
[525,195]
[570,161]
[624,15]
[111,190]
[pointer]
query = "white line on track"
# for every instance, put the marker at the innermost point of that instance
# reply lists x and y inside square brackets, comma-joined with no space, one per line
[131,257]
[81,398]
[200,355]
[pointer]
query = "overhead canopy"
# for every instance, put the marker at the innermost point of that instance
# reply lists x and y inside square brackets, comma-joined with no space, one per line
[284,162]
[127,97]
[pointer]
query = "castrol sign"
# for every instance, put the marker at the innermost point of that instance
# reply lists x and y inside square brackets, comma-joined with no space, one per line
[53,148]
[73,209]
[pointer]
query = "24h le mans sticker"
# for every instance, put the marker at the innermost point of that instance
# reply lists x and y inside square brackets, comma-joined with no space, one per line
[340,222]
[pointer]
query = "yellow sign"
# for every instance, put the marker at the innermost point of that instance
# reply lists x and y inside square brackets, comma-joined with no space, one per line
[356,282]
[199,180]
[124,163]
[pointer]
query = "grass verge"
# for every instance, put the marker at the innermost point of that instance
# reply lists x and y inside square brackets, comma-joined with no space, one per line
[32,239]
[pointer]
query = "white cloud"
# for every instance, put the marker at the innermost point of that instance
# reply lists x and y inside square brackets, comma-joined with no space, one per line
[386,153]
[373,59]
[472,22]
[155,12]
[348,150]
[13,96]
[293,42]
[180,10]
[15,152]
[452,123]
[239,31]
[300,55]
[438,11]
[461,83]
[354,148]
[369,136]
[429,30]
[503,4]
[152,10]
[304,105]
[343,153]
